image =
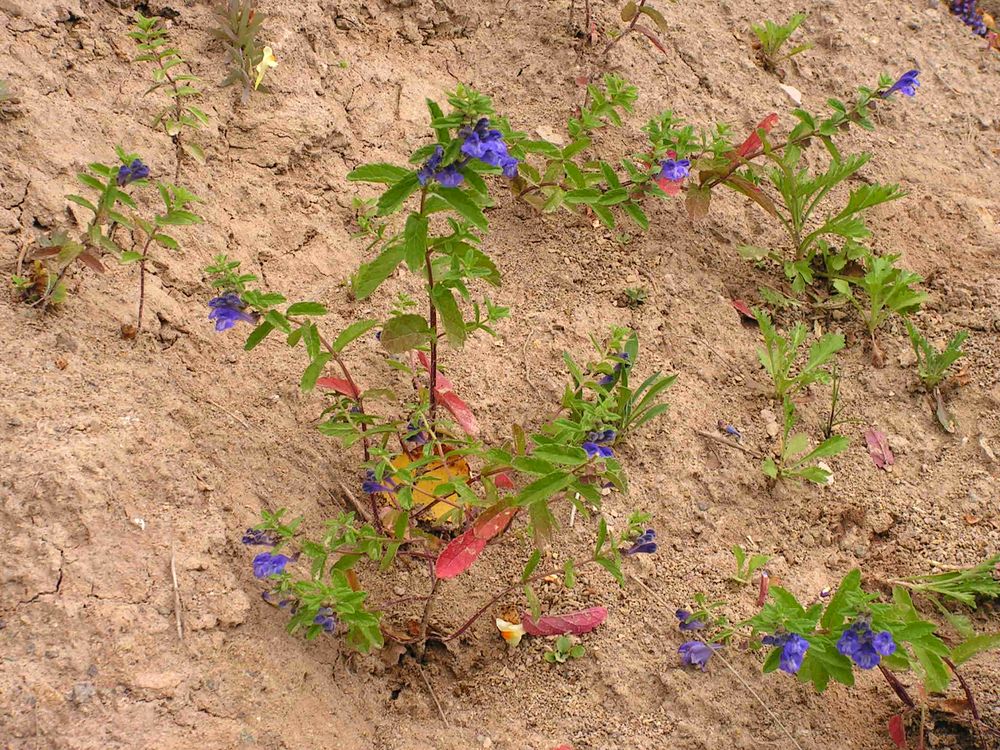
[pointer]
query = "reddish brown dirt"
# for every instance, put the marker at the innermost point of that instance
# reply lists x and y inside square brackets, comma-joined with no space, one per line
[117,455]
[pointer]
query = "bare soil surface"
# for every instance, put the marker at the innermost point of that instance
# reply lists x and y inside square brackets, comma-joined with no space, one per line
[118,456]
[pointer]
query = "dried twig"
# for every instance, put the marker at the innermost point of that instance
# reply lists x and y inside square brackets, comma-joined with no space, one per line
[177,593]
[437,703]
[362,511]
[727,442]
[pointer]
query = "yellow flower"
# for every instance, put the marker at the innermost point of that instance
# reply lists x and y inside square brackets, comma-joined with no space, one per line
[510,631]
[267,61]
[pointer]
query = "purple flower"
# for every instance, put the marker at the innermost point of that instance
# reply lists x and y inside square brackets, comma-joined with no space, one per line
[730,430]
[325,618]
[601,436]
[265,564]
[696,653]
[906,85]
[227,310]
[595,450]
[258,537]
[487,145]
[450,176]
[644,545]
[674,169]
[624,364]
[864,647]
[971,15]
[131,172]
[792,653]
[686,623]
[371,485]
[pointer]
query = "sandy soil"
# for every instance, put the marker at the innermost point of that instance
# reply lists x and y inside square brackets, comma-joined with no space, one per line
[116,456]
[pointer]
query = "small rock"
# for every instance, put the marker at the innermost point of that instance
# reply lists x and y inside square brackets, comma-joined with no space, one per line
[83,692]
[159,684]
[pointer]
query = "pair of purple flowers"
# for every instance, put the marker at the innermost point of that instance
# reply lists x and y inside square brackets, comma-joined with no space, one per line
[266,564]
[128,173]
[481,142]
[863,646]
[598,443]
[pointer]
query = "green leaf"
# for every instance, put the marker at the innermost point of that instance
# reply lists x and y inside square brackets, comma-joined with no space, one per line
[451,315]
[352,332]
[936,677]
[415,241]
[405,332]
[393,198]
[195,151]
[839,605]
[544,487]
[371,275]
[314,370]
[306,308]
[973,646]
[81,201]
[464,205]
[569,575]
[530,566]
[389,174]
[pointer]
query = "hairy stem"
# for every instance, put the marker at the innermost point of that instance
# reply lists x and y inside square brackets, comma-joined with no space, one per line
[432,314]
[896,686]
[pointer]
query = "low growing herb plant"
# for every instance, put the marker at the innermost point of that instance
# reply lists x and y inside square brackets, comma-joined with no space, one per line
[436,494]
[845,633]
[796,460]
[771,37]
[781,353]
[239,25]
[933,365]
[179,116]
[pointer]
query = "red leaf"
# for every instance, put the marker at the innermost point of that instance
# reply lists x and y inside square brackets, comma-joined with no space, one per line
[670,187]
[459,555]
[503,481]
[459,410]
[753,143]
[897,732]
[743,309]
[493,521]
[576,623]
[442,384]
[878,449]
[339,385]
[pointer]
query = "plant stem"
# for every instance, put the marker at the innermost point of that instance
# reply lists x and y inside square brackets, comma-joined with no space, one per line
[897,686]
[626,32]
[142,279]
[432,314]
[178,112]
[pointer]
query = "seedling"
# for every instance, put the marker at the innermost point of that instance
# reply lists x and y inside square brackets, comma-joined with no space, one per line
[179,114]
[795,458]
[835,417]
[632,13]
[238,28]
[964,585]
[889,290]
[932,365]
[780,353]
[563,650]
[802,195]
[771,37]
[636,296]
[745,568]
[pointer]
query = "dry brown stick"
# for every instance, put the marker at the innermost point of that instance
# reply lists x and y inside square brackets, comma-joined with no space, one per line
[362,511]
[177,593]
[437,703]
[727,442]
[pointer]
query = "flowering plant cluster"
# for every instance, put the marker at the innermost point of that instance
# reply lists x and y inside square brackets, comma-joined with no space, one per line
[845,630]
[111,184]
[435,493]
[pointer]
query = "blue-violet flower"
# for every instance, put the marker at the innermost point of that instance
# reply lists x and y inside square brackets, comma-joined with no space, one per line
[227,310]
[265,564]
[696,653]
